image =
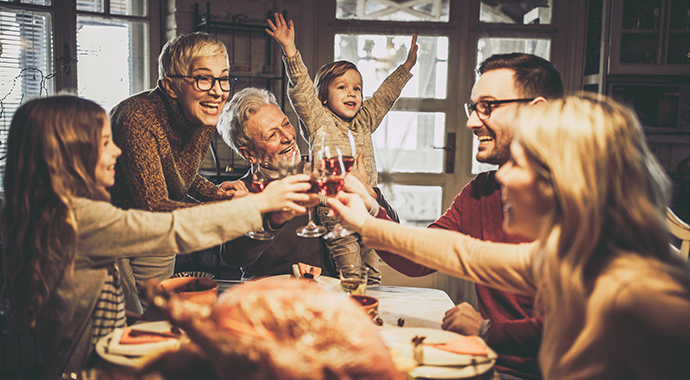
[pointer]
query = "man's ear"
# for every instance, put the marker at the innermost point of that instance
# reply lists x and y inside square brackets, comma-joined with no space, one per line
[248,155]
[169,87]
[537,100]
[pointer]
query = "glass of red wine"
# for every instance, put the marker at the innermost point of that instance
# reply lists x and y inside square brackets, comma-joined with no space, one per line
[311,230]
[336,167]
[259,183]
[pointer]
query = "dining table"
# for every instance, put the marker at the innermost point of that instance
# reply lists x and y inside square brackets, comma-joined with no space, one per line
[400,309]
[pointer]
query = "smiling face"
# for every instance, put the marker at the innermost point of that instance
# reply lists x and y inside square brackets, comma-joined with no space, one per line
[272,133]
[525,204]
[108,153]
[201,107]
[345,95]
[495,133]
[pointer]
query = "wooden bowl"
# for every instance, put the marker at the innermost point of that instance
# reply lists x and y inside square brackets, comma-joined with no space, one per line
[195,289]
[368,303]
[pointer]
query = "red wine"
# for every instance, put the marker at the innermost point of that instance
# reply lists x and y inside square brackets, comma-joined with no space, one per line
[331,186]
[332,165]
[260,185]
[315,185]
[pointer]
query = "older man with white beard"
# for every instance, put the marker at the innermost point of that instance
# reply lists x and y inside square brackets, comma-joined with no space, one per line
[256,128]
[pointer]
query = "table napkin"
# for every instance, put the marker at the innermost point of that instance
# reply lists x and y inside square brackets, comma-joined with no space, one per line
[466,345]
[144,347]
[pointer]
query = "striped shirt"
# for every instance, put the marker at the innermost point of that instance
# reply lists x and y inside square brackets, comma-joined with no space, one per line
[109,312]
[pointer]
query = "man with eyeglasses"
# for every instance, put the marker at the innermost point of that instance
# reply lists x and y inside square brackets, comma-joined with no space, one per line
[505,320]
[164,135]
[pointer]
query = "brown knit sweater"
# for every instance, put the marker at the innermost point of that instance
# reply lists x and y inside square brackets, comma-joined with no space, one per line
[161,154]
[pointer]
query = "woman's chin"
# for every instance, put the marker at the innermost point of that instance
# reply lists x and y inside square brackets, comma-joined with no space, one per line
[513,228]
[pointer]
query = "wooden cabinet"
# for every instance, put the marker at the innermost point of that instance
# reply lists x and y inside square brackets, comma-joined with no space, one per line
[638,52]
[650,37]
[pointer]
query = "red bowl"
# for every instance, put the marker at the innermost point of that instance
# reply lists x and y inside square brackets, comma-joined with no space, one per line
[368,303]
[195,289]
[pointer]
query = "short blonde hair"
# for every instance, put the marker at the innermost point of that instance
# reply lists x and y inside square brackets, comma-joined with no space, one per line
[179,53]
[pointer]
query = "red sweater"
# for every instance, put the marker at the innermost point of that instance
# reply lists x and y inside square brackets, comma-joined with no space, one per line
[514,333]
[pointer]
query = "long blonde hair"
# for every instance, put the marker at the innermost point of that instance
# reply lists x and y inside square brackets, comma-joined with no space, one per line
[609,198]
[52,151]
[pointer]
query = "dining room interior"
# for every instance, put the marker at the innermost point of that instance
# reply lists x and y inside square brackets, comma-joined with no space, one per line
[634,51]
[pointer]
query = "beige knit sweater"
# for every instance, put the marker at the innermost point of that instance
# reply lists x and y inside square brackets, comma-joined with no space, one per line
[319,119]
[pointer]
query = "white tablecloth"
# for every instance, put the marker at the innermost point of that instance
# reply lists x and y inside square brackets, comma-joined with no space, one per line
[419,307]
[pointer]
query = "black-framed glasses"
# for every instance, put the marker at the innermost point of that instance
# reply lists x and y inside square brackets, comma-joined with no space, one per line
[206,82]
[484,107]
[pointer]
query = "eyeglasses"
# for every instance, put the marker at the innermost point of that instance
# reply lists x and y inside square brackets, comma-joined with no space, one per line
[206,82]
[484,107]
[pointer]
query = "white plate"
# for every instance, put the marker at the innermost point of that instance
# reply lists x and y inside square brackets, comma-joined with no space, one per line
[135,360]
[438,364]
[327,282]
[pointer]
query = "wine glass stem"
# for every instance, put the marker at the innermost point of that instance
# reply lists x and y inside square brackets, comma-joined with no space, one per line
[310,214]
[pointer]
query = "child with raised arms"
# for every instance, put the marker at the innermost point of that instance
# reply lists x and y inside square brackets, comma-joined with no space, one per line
[332,106]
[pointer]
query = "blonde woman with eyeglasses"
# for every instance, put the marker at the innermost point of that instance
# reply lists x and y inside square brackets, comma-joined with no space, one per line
[165,134]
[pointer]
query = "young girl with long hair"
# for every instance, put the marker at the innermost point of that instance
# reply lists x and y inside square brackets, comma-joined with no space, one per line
[61,236]
[583,182]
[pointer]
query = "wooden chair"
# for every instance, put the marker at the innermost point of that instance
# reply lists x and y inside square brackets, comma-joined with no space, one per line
[681,230]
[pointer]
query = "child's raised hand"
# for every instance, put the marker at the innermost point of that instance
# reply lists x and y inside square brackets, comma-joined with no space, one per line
[412,54]
[284,33]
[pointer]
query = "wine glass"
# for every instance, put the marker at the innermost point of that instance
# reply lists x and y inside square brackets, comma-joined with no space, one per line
[259,183]
[337,166]
[311,230]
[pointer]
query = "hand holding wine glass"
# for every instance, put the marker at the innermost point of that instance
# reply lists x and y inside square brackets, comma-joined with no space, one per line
[286,195]
[350,208]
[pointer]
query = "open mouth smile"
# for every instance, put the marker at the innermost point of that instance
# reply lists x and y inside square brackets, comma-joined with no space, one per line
[484,139]
[210,106]
[287,150]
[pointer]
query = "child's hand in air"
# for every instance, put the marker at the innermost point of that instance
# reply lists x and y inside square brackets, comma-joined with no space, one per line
[284,33]
[412,54]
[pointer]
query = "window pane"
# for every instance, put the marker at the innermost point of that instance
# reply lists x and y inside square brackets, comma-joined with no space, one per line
[516,12]
[112,59]
[403,143]
[417,206]
[36,2]
[393,10]
[117,7]
[376,56]
[26,44]
[128,7]
[91,5]
[490,46]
